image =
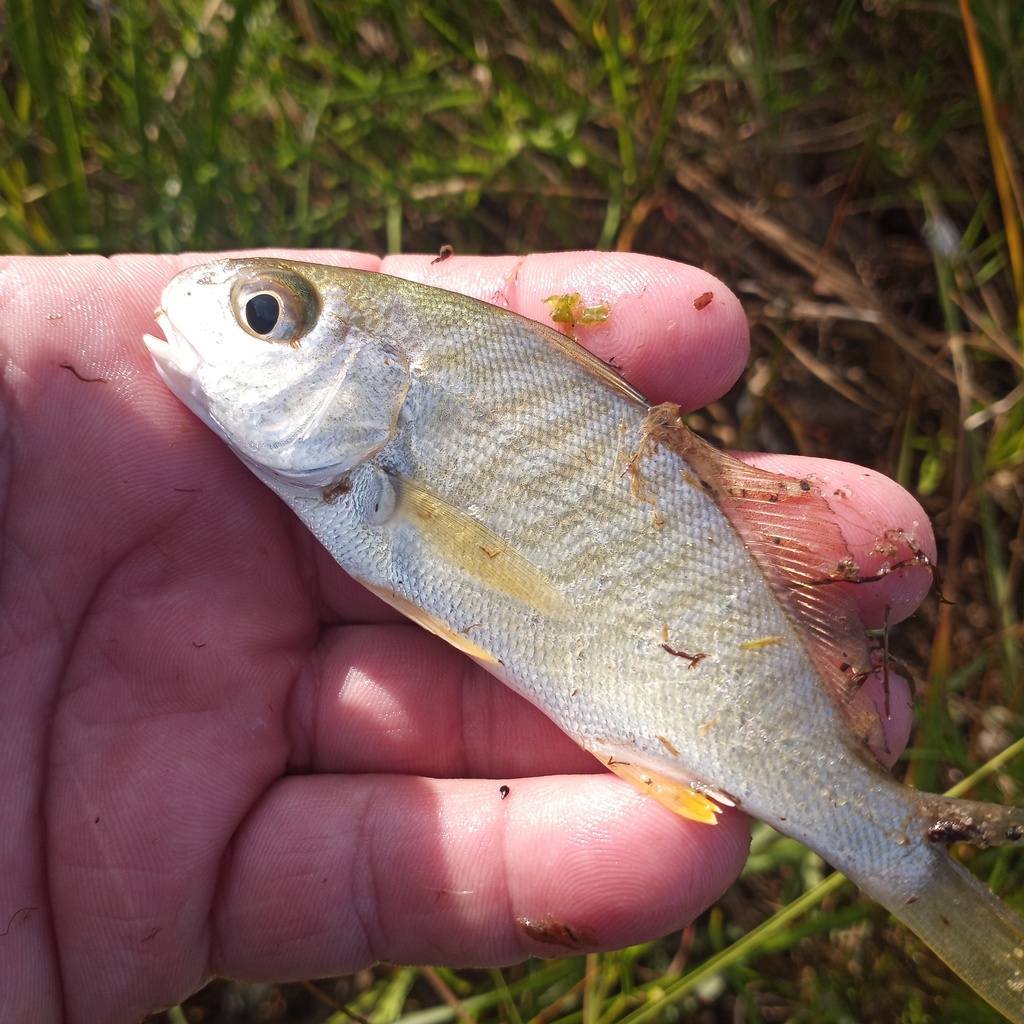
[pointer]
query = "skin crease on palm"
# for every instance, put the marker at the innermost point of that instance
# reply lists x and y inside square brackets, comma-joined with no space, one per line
[222,756]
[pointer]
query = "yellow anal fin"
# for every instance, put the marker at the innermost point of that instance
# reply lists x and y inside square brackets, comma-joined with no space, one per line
[429,623]
[676,795]
[458,539]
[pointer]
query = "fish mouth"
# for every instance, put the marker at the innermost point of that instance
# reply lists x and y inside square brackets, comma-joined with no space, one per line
[168,354]
[178,363]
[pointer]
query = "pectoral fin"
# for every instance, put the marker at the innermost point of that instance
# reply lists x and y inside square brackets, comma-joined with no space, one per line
[466,544]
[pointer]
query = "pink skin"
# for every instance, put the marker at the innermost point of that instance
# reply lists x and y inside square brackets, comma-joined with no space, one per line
[218,755]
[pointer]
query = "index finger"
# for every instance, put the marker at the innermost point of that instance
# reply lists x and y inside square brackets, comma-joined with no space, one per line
[674,331]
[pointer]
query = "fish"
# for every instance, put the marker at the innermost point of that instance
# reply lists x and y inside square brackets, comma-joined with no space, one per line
[665,604]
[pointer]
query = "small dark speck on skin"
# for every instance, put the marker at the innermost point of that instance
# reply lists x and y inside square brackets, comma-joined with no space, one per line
[504,791]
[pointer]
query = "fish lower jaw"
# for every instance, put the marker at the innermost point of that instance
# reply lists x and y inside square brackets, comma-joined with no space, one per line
[173,358]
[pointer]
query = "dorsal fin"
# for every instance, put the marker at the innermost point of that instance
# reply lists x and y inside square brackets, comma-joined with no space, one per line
[790,530]
[598,367]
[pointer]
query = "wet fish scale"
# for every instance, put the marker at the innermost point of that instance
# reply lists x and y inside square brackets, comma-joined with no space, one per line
[660,601]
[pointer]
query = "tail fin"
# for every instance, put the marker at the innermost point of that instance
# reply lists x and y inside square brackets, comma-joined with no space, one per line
[958,916]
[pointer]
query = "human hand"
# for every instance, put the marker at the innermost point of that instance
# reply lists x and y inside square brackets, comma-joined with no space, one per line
[221,756]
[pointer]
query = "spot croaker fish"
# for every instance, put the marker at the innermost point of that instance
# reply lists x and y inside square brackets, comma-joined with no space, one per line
[661,601]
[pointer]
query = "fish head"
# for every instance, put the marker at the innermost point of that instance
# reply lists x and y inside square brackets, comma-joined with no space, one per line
[281,359]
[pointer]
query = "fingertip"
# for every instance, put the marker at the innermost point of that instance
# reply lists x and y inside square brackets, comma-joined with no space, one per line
[330,873]
[884,526]
[894,704]
[627,870]
[674,331]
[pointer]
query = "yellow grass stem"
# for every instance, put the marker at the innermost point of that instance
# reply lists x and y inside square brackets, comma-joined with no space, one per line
[1009,197]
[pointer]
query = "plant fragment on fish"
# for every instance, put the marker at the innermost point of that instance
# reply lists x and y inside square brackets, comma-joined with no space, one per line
[495,482]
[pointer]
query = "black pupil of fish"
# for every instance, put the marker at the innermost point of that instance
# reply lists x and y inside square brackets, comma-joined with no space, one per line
[262,312]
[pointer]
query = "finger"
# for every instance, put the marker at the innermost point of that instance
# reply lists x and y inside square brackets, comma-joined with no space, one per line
[672,330]
[394,698]
[885,530]
[329,875]
[883,525]
[890,693]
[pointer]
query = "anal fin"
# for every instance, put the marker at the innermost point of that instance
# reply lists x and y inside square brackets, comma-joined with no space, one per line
[678,796]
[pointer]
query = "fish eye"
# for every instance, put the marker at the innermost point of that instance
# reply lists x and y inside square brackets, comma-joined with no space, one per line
[262,313]
[275,306]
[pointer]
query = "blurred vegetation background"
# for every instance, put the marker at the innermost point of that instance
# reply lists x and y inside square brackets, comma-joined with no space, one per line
[851,168]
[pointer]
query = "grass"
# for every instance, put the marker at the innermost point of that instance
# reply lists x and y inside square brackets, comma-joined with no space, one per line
[851,169]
